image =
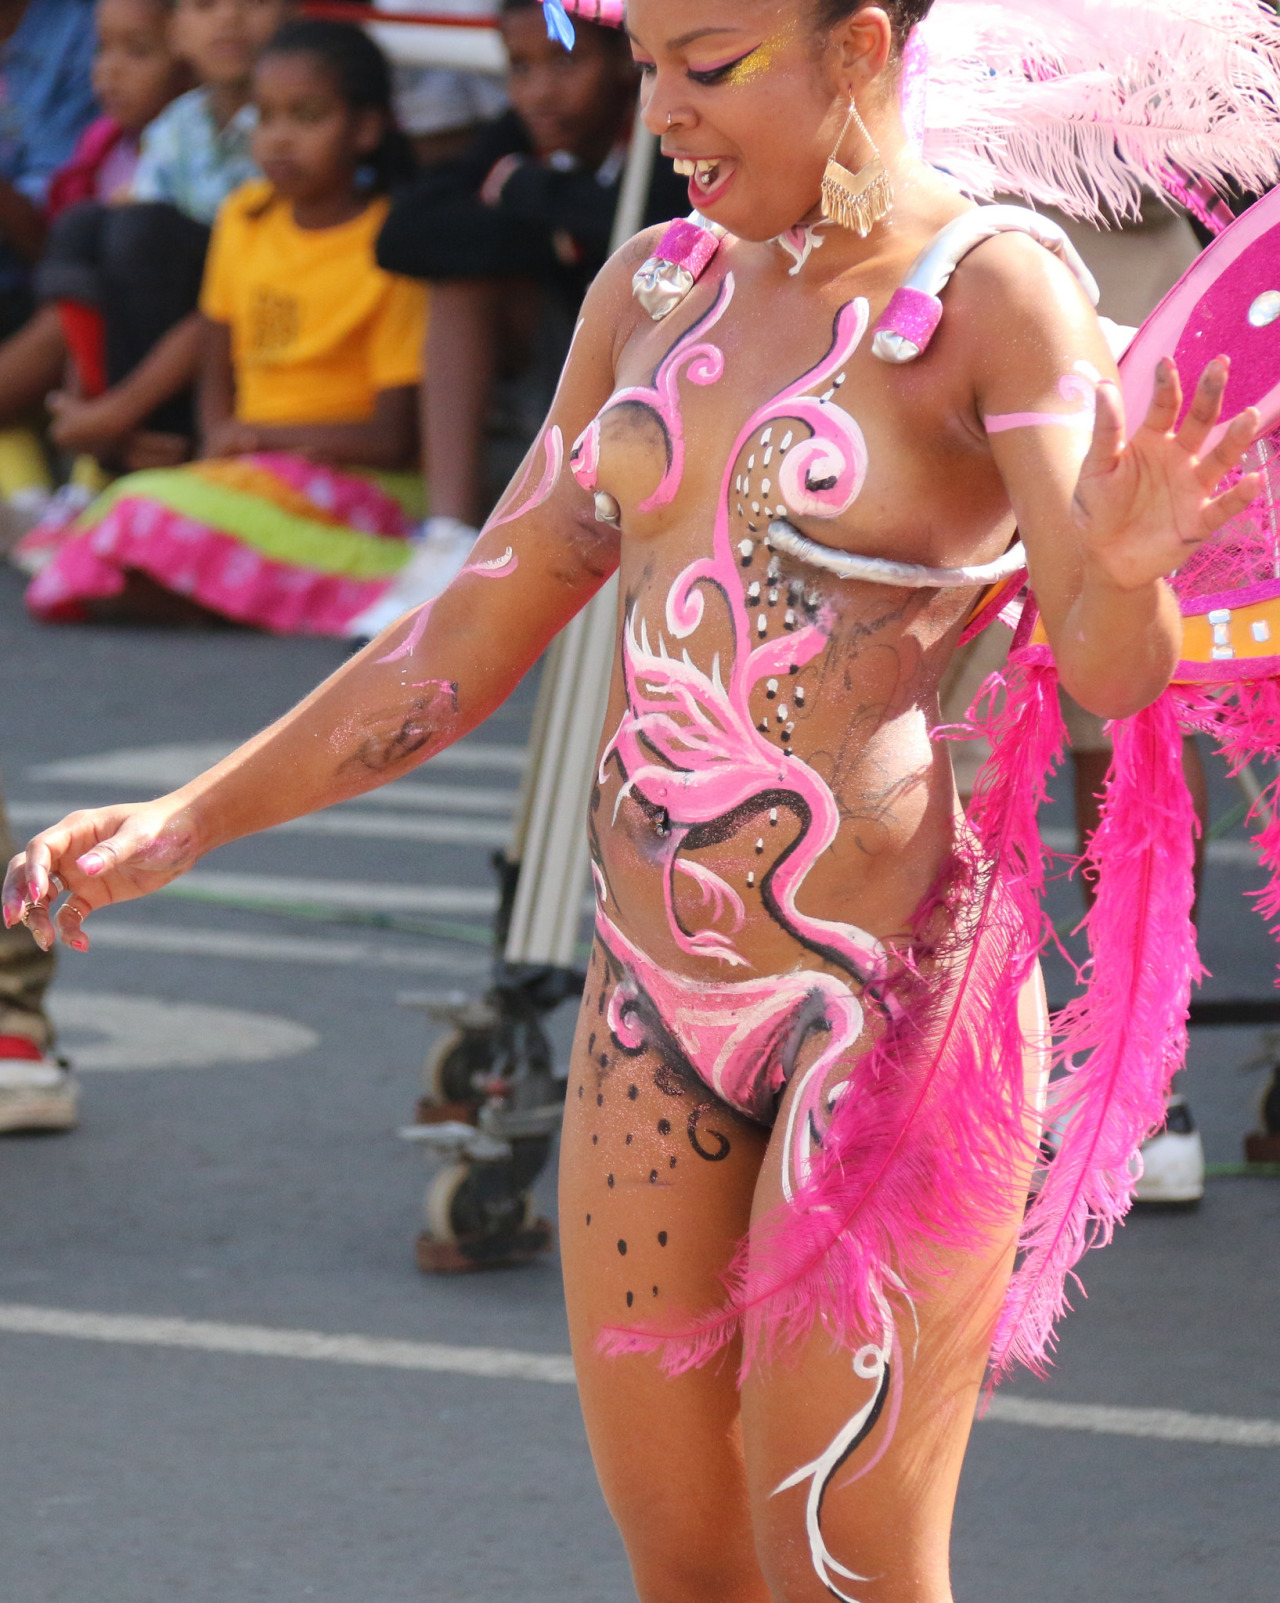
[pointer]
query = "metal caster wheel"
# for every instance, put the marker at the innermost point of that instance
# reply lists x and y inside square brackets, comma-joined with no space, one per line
[449,1075]
[476,1220]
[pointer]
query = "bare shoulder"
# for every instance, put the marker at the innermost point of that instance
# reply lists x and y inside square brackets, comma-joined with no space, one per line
[610,312]
[1010,290]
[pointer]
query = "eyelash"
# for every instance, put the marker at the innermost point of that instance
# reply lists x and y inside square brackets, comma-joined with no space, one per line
[719,74]
[706,79]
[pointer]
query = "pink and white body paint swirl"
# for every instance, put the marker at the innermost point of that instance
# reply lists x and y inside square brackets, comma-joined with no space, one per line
[1079,386]
[688,745]
[874,1361]
[800,243]
[506,562]
[553,461]
[499,567]
[737,1033]
[703,363]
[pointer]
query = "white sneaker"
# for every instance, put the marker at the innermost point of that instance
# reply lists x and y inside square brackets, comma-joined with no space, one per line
[438,557]
[36,1092]
[1171,1162]
[47,534]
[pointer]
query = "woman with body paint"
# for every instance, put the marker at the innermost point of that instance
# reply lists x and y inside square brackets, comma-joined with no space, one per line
[806,1093]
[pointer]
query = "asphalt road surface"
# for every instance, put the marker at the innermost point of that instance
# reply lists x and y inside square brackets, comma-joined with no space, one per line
[175,1426]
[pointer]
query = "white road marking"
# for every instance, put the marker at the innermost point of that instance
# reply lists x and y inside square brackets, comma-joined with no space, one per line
[167,767]
[499,1363]
[143,1032]
[414,794]
[486,1363]
[1160,1424]
[286,949]
[274,890]
[345,821]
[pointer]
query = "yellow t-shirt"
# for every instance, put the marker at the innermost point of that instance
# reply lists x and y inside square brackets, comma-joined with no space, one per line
[317,328]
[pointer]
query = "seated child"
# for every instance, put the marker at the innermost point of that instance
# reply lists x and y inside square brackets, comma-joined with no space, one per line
[135,75]
[509,236]
[529,208]
[46,102]
[296,519]
[135,270]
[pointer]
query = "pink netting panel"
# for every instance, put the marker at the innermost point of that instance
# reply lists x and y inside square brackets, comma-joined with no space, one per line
[1242,562]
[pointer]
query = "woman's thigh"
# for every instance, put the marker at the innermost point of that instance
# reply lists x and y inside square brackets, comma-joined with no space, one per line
[656,1186]
[873,1458]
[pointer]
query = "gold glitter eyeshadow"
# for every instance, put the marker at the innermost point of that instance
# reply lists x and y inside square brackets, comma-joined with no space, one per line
[762,59]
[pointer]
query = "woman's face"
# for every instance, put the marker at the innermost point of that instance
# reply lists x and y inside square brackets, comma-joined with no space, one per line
[749,92]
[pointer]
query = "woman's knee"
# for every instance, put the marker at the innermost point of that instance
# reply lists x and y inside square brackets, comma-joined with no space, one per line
[689,1551]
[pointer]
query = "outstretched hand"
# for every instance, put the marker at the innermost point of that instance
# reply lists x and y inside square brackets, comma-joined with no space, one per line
[1143,506]
[106,855]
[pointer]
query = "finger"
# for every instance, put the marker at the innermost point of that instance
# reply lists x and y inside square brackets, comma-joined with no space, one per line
[1166,400]
[39,868]
[1108,431]
[1206,406]
[54,851]
[36,916]
[1231,503]
[70,920]
[105,855]
[13,899]
[1241,433]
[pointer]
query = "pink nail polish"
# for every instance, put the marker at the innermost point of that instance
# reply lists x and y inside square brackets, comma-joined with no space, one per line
[79,944]
[90,863]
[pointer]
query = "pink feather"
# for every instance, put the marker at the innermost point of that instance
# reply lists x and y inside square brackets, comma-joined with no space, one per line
[1122,1041]
[1080,103]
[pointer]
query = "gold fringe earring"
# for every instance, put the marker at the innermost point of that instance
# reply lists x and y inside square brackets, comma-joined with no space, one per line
[856,200]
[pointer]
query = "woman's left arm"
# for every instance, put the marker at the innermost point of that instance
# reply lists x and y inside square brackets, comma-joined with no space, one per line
[1105,521]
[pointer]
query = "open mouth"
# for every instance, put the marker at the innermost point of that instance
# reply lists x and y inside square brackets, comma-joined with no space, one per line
[708,175]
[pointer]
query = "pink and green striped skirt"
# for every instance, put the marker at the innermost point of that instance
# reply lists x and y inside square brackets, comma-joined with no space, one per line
[274,541]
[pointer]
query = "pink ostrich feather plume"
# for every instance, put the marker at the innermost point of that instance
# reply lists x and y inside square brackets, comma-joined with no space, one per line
[1121,1042]
[1080,103]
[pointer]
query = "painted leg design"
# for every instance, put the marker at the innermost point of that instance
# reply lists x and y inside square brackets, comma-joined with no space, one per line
[872,1362]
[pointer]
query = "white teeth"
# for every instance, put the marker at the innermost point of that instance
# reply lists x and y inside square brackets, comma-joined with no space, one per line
[684,166]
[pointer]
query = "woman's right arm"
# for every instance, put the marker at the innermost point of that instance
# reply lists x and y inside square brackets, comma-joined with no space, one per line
[422,684]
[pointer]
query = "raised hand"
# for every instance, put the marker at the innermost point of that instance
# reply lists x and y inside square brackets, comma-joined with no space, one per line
[105,855]
[1142,507]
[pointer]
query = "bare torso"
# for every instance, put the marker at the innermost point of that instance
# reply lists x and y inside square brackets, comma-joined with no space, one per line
[711,844]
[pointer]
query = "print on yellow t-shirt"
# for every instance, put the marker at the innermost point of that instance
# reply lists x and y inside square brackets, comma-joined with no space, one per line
[273,321]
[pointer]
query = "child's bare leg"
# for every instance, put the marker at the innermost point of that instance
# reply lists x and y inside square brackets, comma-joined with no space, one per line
[656,1182]
[31,364]
[890,1526]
